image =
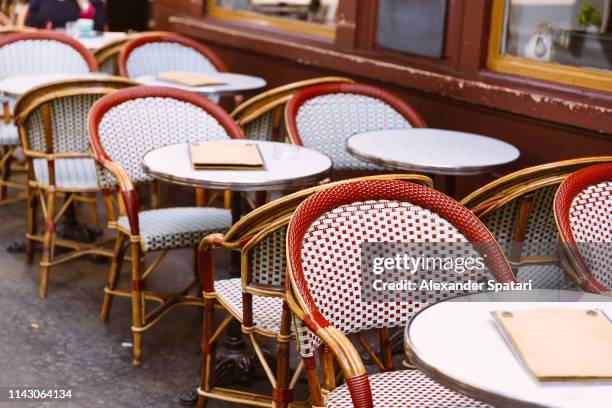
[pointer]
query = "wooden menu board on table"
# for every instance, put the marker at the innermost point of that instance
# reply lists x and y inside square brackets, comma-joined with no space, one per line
[560,344]
[223,155]
[189,78]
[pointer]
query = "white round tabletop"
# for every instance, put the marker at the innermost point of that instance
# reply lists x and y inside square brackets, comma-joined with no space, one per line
[18,85]
[101,39]
[434,151]
[233,83]
[286,166]
[457,343]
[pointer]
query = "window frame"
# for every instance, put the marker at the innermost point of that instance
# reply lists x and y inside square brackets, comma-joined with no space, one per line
[514,65]
[316,30]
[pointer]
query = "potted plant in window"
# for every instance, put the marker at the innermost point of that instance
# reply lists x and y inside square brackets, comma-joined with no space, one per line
[589,45]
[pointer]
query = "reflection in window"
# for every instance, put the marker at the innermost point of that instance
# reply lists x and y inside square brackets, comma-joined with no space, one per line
[317,11]
[568,32]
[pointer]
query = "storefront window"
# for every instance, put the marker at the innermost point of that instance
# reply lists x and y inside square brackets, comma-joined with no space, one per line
[315,17]
[574,35]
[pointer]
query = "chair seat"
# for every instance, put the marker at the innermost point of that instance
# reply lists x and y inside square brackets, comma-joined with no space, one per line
[8,134]
[405,388]
[177,227]
[70,174]
[266,310]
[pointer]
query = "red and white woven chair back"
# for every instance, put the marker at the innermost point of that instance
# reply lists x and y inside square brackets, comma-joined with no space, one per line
[152,54]
[129,123]
[324,248]
[322,117]
[583,210]
[43,52]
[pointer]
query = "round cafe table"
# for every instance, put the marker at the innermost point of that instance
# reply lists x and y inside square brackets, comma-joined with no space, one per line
[436,151]
[15,86]
[286,167]
[234,83]
[458,344]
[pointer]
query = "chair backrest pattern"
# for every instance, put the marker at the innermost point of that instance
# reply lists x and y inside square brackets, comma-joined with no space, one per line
[130,123]
[322,117]
[267,259]
[327,230]
[152,54]
[43,52]
[541,233]
[68,124]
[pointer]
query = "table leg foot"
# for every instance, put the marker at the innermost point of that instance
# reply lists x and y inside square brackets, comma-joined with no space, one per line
[17,246]
[236,361]
[188,398]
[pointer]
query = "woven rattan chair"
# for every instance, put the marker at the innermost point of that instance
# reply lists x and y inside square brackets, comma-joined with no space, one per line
[322,117]
[518,210]
[108,55]
[583,212]
[256,299]
[152,54]
[120,140]
[262,117]
[52,121]
[323,246]
[29,53]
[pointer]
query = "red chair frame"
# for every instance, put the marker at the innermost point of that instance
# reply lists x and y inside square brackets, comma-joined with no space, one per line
[54,36]
[304,95]
[170,38]
[300,298]
[566,193]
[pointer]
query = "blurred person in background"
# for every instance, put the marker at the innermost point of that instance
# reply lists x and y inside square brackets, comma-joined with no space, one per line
[56,13]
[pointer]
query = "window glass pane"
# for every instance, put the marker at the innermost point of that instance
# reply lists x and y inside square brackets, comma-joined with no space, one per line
[412,26]
[316,11]
[568,32]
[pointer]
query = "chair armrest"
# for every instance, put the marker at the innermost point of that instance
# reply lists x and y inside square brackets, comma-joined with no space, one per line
[206,261]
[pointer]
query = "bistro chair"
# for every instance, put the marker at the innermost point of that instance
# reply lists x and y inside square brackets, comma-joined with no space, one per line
[119,141]
[322,117]
[163,52]
[29,53]
[324,240]
[262,117]
[52,122]
[583,212]
[518,210]
[108,55]
[256,299]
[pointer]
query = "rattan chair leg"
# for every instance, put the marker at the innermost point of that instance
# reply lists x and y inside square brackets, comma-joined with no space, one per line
[48,245]
[282,395]
[201,197]
[227,199]
[154,194]
[137,302]
[312,378]
[93,211]
[113,275]
[327,364]
[384,341]
[5,169]
[207,350]
[32,223]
